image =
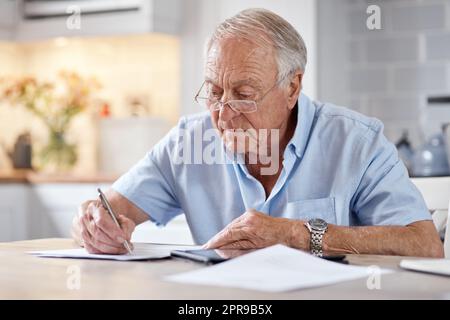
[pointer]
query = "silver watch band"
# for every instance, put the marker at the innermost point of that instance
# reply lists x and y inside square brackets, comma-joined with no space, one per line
[316,242]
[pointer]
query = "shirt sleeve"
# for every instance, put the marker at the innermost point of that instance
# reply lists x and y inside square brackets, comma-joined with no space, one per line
[150,184]
[385,194]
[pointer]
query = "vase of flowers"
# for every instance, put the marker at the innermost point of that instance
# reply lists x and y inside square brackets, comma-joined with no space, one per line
[56,104]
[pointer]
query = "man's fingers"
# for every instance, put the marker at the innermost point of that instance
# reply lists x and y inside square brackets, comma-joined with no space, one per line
[100,235]
[97,231]
[104,221]
[238,220]
[240,245]
[96,246]
[127,226]
[79,222]
[85,233]
[86,221]
[236,230]
[75,231]
[86,238]
[91,249]
[242,220]
[225,237]
[106,248]
[83,209]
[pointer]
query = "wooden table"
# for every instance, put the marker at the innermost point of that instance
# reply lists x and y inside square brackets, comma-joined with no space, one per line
[27,277]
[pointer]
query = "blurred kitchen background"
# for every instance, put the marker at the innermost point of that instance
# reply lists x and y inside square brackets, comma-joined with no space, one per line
[84,96]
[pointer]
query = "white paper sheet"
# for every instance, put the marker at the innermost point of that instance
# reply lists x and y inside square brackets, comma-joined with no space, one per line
[274,269]
[436,266]
[142,251]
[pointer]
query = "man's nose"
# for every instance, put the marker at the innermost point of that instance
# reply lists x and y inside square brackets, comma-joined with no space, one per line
[226,113]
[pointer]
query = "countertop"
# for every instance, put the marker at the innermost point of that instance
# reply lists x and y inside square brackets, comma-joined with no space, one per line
[31,177]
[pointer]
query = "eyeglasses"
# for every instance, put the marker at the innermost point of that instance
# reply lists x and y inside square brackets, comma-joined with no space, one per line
[241,106]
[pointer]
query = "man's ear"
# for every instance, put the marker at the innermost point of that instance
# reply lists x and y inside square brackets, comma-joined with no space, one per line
[295,86]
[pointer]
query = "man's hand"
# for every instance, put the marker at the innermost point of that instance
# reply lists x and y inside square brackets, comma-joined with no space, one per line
[255,230]
[94,229]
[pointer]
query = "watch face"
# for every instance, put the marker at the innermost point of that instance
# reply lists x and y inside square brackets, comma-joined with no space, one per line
[318,224]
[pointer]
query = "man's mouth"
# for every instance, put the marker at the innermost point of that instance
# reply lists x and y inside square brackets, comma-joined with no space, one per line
[231,134]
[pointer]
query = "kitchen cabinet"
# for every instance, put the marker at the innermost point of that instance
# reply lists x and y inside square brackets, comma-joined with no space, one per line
[13,212]
[9,14]
[53,206]
[45,19]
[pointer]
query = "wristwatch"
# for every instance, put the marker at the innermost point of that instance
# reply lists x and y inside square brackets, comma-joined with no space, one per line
[317,228]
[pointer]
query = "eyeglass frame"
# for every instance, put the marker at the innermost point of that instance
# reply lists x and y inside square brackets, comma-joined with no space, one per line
[255,102]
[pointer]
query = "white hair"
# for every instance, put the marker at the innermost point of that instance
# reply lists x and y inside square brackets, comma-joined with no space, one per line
[266,28]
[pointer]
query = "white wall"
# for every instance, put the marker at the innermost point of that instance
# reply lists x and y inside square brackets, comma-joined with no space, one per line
[387,73]
[201,17]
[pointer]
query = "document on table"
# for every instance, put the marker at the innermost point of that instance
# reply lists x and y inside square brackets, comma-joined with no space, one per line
[436,266]
[275,269]
[142,251]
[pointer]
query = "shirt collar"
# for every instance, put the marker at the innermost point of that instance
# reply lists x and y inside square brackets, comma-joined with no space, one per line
[305,118]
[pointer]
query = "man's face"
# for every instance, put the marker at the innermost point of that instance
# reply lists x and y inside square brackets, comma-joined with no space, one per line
[237,69]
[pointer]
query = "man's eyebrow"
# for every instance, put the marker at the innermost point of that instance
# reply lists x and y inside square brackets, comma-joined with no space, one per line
[250,81]
[211,81]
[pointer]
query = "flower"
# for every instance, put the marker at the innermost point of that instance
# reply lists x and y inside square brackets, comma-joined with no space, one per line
[55,104]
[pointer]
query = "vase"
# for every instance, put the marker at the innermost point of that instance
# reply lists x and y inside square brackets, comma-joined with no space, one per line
[58,155]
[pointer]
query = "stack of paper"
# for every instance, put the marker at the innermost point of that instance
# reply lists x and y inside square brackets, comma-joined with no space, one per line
[142,251]
[277,268]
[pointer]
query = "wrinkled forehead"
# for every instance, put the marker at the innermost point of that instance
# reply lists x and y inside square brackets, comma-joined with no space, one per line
[238,56]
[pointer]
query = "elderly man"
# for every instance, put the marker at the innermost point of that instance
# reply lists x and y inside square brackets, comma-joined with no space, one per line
[305,174]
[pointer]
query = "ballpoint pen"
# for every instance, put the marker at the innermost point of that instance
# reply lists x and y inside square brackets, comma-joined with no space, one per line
[108,208]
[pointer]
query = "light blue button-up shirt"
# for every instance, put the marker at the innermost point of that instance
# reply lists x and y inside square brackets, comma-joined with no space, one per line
[338,166]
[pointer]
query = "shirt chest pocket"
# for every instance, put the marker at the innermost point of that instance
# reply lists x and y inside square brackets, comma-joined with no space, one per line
[314,208]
